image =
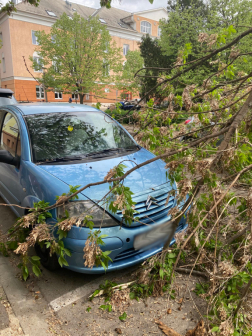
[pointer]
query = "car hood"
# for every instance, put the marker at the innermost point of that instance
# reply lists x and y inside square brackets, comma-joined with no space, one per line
[146,177]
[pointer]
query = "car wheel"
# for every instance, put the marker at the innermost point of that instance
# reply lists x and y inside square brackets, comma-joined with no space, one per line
[49,262]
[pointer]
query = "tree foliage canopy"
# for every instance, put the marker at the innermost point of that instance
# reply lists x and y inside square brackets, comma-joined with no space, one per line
[126,71]
[9,7]
[78,55]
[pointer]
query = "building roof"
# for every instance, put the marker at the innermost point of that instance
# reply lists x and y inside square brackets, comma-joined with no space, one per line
[113,16]
[151,10]
[58,7]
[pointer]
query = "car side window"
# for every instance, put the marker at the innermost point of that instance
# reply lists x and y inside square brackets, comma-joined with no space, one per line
[10,135]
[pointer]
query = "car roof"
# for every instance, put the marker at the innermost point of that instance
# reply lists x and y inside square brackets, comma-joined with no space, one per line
[8,91]
[38,108]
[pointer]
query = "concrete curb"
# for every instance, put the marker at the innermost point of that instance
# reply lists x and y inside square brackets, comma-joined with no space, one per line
[31,314]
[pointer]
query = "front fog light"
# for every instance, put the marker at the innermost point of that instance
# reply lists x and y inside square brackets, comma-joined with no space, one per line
[82,208]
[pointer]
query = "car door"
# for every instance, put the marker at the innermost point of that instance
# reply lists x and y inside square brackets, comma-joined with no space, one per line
[10,176]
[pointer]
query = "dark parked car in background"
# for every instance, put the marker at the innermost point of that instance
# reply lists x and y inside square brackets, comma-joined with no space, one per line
[129,105]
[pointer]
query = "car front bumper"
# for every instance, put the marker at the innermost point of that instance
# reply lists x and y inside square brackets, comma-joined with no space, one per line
[119,241]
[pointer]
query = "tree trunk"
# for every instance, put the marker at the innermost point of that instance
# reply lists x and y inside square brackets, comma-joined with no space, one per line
[45,90]
[81,97]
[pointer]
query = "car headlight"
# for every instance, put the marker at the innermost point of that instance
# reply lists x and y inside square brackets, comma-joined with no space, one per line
[82,208]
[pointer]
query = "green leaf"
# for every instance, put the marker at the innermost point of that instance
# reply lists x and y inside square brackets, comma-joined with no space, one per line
[132,295]
[68,253]
[103,236]
[103,265]
[12,245]
[35,258]
[97,291]
[216,328]
[88,309]
[123,317]
[25,273]
[161,273]
[36,270]
[62,261]
[106,253]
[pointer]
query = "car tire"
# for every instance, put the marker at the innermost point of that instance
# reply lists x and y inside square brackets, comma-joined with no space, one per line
[49,262]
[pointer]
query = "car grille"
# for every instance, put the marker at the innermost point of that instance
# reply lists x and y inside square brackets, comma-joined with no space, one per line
[127,254]
[155,212]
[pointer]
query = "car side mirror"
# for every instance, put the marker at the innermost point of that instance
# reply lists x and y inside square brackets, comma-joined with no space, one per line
[6,157]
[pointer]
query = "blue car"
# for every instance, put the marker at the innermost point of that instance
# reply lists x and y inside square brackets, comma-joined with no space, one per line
[45,148]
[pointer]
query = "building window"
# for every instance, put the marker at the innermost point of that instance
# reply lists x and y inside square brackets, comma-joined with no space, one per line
[56,66]
[106,47]
[145,27]
[34,38]
[87,96]
[107,90]
[3,63]
[75,96]
[38,64]
[40,92]
[58,95]
[125,49]
[159,31]
[50,13]
[106,69]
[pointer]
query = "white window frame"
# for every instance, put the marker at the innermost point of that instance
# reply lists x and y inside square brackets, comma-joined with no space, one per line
[107,90]
[106,68]
[126,48]
[51,13]
[87,96]
[57,93]
[159,31]
[55,64]
[36,59]
[145,26]
[40,91]
[34,38]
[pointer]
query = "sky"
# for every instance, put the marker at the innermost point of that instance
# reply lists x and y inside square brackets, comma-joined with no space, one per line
[129,5]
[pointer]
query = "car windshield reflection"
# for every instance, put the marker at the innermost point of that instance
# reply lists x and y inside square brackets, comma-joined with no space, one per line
[62,135]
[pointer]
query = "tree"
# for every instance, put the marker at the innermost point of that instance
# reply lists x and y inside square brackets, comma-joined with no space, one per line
[107,3]
[125,73]
[9,7]
[187,19]
[154,58]
[174,5]
[78,55]
[207,171]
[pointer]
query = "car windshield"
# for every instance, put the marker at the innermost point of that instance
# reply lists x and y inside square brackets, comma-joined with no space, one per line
[61,135]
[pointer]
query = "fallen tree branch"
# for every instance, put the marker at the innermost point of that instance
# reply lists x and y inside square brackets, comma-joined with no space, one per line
[189,271]
[243,296]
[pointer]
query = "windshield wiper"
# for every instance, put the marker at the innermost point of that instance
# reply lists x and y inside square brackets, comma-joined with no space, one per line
[62,159]
[104,151]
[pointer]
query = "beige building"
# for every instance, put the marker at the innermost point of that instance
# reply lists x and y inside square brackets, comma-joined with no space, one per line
[18,41]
